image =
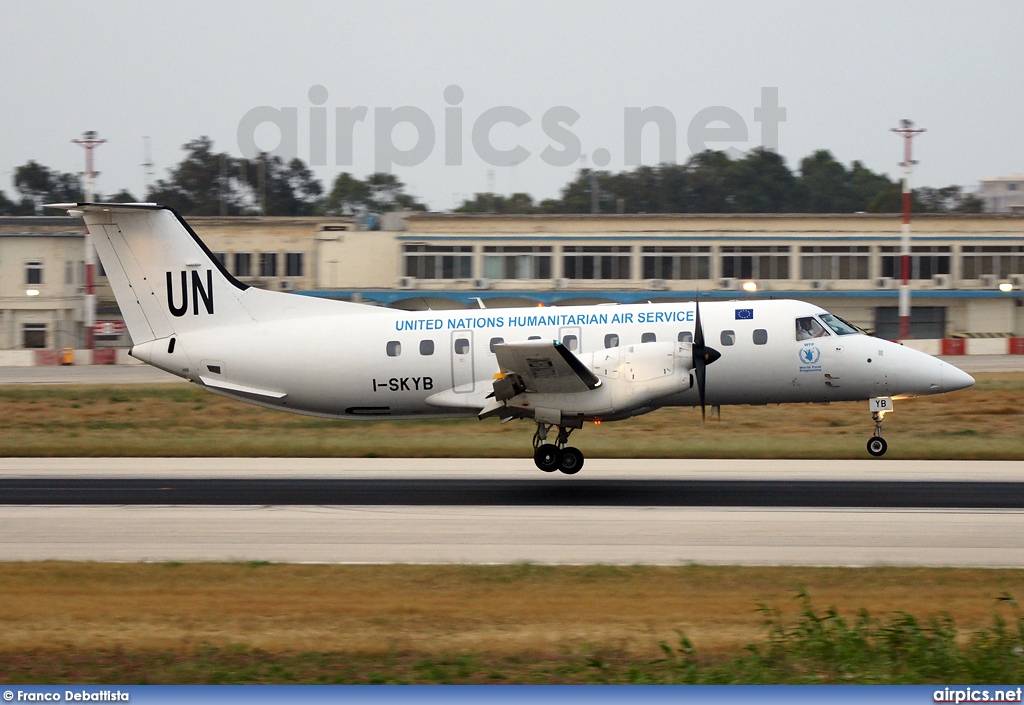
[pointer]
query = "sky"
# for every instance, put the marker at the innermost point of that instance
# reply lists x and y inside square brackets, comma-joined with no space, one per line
[845,73]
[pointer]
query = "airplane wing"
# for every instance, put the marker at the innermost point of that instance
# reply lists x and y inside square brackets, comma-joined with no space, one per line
[546,367]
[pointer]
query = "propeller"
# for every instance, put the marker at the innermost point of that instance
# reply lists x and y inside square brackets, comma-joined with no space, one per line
[702,357]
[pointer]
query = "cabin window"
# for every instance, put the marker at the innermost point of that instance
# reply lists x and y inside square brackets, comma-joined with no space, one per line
[496,341]
[461,346]
[394,348]
[571,342]
[760,336]
[648,338]
[426,347]
[611,340]
[838,325]
[534,337]
[728,337]
[685,336]
[808,327]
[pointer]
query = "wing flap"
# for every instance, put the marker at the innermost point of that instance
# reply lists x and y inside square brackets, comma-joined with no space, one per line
[546,367]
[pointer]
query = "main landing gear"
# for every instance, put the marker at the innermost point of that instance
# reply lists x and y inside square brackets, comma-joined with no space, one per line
[558,455]
[876,444]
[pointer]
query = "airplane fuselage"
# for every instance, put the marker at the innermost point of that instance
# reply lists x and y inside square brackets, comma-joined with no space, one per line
[389,363]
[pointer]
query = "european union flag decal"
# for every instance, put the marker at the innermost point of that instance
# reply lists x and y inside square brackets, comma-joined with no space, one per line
[744,314]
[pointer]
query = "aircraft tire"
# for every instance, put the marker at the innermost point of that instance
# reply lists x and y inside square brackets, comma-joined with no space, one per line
[546,457]
[877,446]
[570,460]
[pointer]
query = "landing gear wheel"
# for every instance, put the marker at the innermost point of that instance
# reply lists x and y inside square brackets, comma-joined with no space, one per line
[877,446]
[570,460]
[546,457]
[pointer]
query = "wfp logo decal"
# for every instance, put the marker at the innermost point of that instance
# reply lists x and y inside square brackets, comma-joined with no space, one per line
[199,292]
[810,355]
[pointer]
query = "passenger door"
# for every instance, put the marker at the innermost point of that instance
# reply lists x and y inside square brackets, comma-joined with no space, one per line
[463,379]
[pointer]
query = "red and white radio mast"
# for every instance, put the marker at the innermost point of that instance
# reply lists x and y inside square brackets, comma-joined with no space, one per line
[89,142]
[908,132]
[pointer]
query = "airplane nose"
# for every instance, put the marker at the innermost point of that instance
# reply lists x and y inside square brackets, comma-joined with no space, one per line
[954,378]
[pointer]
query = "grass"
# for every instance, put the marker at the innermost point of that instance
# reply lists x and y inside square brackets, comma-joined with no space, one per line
[271,623]
[982,422]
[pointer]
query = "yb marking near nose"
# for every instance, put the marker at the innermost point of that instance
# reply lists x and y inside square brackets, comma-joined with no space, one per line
[198,292]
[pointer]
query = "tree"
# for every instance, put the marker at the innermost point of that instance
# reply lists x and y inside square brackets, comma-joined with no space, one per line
[201,184]
[40,184]
[387,193]
[277,188]
[8,207]
[761,182]
[348,196]
[517,203]
[122,196]
[826,185]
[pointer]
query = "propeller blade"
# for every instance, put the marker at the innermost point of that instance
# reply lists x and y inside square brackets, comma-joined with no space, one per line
[698,329]
[702,357]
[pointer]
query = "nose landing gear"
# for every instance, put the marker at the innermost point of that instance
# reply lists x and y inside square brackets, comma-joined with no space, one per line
[558,455]
[876,444]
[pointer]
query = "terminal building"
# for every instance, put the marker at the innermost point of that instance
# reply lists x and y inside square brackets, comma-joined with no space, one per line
[967,270]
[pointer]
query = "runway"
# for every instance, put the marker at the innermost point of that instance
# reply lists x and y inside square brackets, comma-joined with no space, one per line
[555,492]
[501,511]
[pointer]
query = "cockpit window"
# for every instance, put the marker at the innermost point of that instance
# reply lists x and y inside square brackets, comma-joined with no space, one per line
[838,325]
[807,328]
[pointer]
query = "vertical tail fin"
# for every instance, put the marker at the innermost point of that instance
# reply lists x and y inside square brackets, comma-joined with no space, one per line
[165,279]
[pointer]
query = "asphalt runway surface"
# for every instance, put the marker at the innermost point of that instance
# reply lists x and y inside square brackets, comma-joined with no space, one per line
[664,512]
[555,492]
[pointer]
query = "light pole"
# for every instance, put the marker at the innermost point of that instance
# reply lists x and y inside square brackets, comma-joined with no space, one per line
[908,132]
[89,142]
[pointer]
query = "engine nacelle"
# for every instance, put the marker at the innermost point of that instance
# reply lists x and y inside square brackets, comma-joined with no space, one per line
[632,377]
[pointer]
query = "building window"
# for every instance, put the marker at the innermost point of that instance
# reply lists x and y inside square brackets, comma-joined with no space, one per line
[999,260]
[293,264]
[33,335]
[515,262]
[925,261]
[760,336]
[221,257]
[34,272]
[439,261]
[677,262]
[268,264]
[756,262]
[835,262]
[243,264]
[611,340]
[596,262]
[394,348]
[426,347]
[648,338]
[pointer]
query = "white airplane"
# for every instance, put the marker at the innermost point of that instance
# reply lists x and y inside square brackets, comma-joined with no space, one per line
[558,366]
